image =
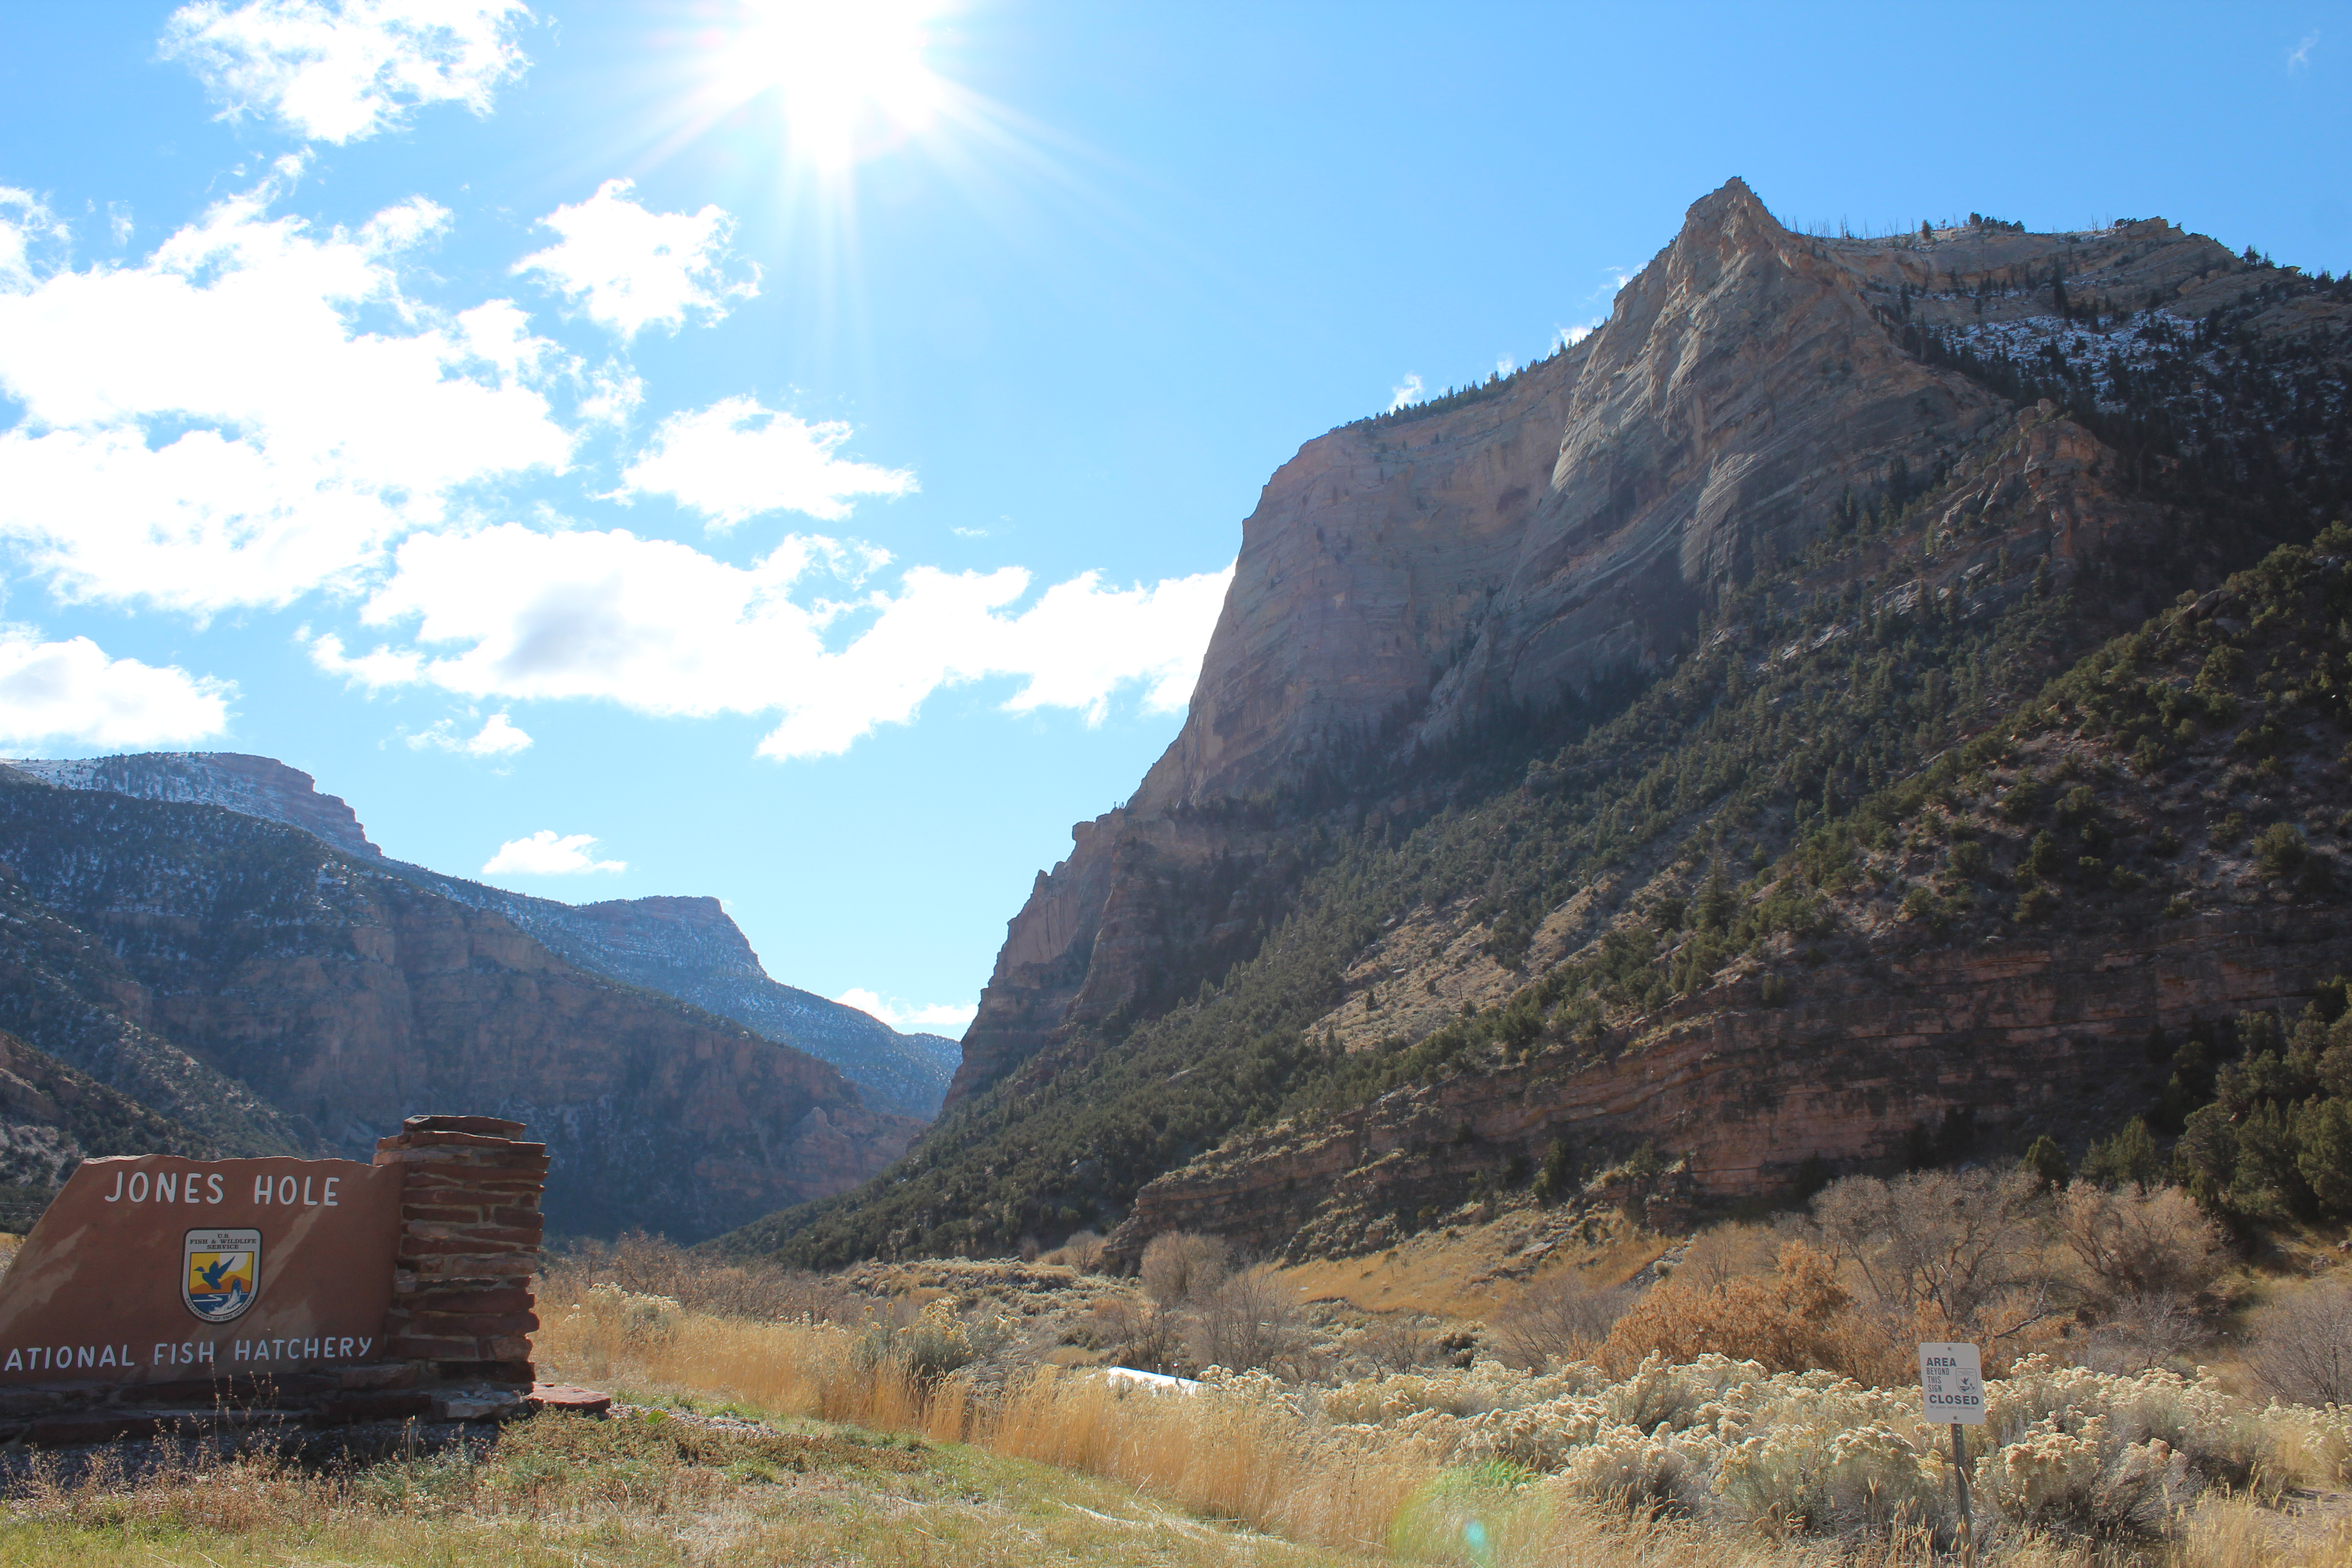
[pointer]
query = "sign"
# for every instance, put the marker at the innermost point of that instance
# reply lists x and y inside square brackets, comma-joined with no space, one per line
[1951,1384]
[154,1269]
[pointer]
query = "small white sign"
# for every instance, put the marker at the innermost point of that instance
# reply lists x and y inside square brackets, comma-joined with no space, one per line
[1951,1384]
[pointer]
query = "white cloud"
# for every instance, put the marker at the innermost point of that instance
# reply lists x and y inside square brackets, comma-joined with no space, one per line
[635,268]
[1568,337]
[512,613]
[252,411]
[544,854]
[735,459]
[71,692]
[31,228]
[947,1016]
[1410,391]
[342,70]
[2299,57]
[498,737]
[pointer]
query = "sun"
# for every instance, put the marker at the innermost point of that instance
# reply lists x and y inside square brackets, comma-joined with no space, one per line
[849,76]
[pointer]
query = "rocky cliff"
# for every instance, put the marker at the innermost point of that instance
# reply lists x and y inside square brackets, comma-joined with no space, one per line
[262,965]
[256,786]
[1405,578]
[1497,675]
[684,948]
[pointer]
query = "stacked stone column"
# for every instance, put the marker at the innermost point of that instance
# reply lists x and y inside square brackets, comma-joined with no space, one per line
[469,1235]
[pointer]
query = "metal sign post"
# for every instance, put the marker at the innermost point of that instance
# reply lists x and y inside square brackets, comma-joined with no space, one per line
[1951,1390]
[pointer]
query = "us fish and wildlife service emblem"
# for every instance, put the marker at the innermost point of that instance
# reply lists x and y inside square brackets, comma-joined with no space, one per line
[220,1270]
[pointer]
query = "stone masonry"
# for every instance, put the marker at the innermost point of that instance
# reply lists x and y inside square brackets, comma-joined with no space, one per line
[469,1233]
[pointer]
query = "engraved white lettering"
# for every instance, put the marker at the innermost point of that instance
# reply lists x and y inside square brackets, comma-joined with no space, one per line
[286,1189]
[244,1352]
[307,1202]
[327,1192]
[363,1346]
[166,1356]
[167,1186]
[116,1195]
[85,1357]
[107,1359]
[16,1362]
[261,1189]
[188,1189]
[138,1194]
[205,1351]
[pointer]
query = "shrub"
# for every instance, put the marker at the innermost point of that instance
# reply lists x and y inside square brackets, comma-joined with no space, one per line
[2300,1345]
[1249,1321]
[2138,1243]
[1180,1265]
[1791,1321]
[1558,1319]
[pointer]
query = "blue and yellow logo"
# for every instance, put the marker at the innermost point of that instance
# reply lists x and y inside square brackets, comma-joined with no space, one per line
[220,1273]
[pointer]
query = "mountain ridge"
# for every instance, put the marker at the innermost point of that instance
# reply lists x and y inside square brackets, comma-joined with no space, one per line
[1828,508]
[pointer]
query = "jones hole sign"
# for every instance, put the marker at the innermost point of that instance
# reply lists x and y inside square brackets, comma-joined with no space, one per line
[160,1269]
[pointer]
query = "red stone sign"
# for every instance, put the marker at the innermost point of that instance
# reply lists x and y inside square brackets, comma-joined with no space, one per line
[159,1269]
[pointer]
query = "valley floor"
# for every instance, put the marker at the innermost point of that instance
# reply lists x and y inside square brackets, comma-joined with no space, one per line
[763,1435]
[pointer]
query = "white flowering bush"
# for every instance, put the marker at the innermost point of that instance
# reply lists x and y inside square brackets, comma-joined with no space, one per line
[2065,1448]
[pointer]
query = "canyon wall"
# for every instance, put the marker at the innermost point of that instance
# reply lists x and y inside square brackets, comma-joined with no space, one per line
[347,997]
[1407,577]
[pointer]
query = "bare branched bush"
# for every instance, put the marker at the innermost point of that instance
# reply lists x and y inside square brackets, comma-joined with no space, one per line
[1083,1251]
[1249,1321]
[1395,1343]
[2299,1345]
[1138,1333]
[1956,1248]
[2132,1243]
[1179,1266]
[1559,1319]
[2144,1331]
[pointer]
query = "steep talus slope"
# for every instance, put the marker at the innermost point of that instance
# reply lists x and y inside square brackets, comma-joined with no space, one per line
[1816,510]
[348,997]
[684,948]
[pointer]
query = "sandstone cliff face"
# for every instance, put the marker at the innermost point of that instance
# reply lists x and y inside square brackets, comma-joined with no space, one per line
[1405,576]
[349,998]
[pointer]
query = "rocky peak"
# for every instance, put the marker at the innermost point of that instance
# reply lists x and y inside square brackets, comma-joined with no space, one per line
[256,786]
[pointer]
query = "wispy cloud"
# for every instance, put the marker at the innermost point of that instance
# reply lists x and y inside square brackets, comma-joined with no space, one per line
[72,693]
[736,459]
[951,1017]
[499,736]
[2299,57]
[1409,390]
[631,269]
[342,70]
[548,854]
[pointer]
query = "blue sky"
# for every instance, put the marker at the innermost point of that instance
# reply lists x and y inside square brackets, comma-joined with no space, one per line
[790,451]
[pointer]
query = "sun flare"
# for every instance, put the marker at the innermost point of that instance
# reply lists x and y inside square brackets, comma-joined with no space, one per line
[850,76]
